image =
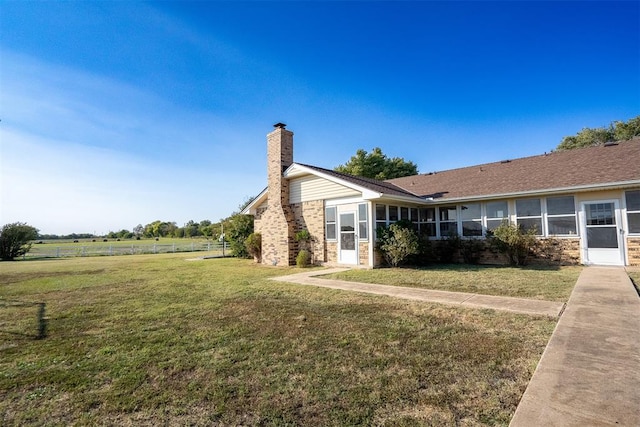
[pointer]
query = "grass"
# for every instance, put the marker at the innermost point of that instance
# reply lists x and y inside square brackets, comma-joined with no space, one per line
[544,283]
[150,340]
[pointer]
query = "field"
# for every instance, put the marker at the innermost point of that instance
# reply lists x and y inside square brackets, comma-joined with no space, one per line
[156,339]
[106,247]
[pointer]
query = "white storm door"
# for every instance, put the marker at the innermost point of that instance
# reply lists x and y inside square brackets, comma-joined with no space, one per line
[348,242]
[602,233]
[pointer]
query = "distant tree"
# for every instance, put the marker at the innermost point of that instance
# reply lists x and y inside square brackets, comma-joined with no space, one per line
[15,240]
[138,230]
[377,165]
[588,137]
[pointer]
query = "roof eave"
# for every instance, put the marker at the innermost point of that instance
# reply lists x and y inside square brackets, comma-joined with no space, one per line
[251,208]
[576,188]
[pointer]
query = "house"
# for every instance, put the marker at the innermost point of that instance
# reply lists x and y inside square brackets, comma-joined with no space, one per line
[584,202]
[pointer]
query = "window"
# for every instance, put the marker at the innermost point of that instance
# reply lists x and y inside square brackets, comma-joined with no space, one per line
[448,220]
[633,210]
[381,215]
[404,214]
[363,227]
[427,222]
[330,222]
[471,216]
[529,215]
[393,214]
[561,215]
[497,213]
[415,220]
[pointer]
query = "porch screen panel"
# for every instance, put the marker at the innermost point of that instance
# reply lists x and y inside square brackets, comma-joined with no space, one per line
[529,215]
[633,211]
[497,213]
[561,216]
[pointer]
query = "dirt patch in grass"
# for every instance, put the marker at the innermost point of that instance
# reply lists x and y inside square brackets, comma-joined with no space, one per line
[164,341]
[551,284]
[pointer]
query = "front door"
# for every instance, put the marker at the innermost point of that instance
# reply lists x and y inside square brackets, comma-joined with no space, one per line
[602,241]
[348,240]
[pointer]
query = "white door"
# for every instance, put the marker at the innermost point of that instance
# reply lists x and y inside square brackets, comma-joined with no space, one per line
[602,242]
[348,250]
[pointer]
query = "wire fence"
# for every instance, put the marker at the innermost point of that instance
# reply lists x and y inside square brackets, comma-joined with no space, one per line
[61,251]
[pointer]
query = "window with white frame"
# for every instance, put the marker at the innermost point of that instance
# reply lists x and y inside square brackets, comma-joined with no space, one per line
[363,224]
[381,215]
[471,216]
[496,213]
[561,216]
[633,211]
[415,220]
[448,220]
[427,222]
[404,213]
[529,215]
[330,222]
[393,214]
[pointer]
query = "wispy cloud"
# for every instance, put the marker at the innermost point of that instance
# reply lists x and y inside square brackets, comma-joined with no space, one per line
[85,153]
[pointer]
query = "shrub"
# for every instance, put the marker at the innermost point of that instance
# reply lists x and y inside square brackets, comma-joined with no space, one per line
[303,259]
[397,243]
[253,244]
[471,250]
[15,240]
[448,247]
[514,242]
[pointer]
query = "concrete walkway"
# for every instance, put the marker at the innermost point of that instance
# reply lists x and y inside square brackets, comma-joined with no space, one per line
[516,305]
[589,374]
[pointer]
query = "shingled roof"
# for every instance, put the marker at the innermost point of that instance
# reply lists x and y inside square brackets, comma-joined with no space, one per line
[614,164]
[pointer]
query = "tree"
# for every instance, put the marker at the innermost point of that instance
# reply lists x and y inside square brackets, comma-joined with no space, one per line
[237,229]
[15,240]
[588,137]
[377,165]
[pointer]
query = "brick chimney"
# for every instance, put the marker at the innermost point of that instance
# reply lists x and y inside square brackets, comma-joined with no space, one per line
[278,229]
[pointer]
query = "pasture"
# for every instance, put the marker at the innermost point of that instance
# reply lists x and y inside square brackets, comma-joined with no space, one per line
[156,339]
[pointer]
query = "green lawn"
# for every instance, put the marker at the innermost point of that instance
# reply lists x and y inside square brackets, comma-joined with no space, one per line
[545,283]
[148,340]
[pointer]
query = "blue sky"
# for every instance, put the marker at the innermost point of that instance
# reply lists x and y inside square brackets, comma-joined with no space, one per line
[120,113]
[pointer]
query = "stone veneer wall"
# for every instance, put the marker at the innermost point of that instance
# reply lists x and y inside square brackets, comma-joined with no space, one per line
[331,253]
[633,249]
[363,253]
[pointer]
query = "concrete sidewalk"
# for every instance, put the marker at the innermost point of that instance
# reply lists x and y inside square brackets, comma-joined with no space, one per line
[589,374]
[516,305]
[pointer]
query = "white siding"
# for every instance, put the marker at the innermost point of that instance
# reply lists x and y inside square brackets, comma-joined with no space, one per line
[308,188]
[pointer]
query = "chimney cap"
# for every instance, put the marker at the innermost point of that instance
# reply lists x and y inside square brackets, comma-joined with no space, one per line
[280,125]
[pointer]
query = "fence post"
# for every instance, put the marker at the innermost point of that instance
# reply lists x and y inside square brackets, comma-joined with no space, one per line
[58,252]
[132,250]
[191,246]
[42,321]
[83,251]
[110,250]
[174,248]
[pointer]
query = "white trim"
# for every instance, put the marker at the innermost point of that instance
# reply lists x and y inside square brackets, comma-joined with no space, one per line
[259,199]
[622,250]
[541,193]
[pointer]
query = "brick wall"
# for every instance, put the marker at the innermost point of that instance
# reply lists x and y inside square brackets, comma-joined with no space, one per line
[633,250]
[276,223]
[310,216]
